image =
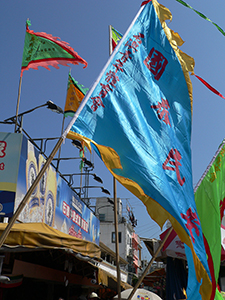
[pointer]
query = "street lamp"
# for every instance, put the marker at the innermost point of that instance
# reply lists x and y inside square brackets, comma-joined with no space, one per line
[18,120]
[77,144]
[84,190]
[90,187]
[71,181]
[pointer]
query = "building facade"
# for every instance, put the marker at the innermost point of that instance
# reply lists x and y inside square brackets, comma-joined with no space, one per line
[129,242]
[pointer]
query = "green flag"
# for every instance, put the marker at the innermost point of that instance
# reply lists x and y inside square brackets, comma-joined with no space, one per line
[42,49]
[210,198]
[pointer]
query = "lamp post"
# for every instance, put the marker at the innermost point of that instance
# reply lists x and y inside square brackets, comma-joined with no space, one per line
[18,119]
[71,181]
[85,188]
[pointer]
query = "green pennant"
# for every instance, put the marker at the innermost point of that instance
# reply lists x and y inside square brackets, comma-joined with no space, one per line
[201,15]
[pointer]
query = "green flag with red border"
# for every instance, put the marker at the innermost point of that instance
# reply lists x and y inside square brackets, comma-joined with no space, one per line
[210,203]
[43,50]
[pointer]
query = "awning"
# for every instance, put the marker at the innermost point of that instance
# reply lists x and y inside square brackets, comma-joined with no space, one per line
[154,276]
[152,246]
[107,279]
[107,250]
[173,246]
[42,236]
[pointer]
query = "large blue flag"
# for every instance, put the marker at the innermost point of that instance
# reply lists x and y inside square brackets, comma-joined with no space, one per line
[137,117]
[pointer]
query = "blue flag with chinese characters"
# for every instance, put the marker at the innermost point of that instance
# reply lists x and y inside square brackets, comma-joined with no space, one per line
[137,117]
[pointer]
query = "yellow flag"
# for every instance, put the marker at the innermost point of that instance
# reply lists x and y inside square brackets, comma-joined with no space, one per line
[75,94]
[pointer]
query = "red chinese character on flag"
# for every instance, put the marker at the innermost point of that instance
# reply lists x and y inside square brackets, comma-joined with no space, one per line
[192,222]
[125,56]
[162,111]
[173,159]
[97,101]
[156,63]
[105,89]
[138,37]
[113,77]
[118,66]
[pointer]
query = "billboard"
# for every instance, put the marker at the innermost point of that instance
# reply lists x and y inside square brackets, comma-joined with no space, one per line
[10,149]
[52,202]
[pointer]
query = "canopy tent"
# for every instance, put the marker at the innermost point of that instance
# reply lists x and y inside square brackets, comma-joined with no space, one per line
[107,279]
[155,276]
[46,244]
[40,235]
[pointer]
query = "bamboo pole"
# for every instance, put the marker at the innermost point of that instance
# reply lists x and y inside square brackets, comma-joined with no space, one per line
[117,239]
[115,204]
[149,265]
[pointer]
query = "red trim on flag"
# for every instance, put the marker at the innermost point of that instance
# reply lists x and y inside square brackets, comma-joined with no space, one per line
[145,2]
[211,267]
[210,87]
[114,44]
[60,43]
[53,62]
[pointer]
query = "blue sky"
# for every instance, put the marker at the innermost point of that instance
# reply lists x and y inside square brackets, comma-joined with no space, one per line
[84,25]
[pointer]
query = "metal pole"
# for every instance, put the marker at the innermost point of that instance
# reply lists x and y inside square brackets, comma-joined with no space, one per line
[149,265]
[117,240]
[18,101]
[110,40]
[58,161]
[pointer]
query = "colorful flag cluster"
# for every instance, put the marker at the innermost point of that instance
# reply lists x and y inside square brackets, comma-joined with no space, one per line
[137,117]
[75,94]
[115,37]
[43,50]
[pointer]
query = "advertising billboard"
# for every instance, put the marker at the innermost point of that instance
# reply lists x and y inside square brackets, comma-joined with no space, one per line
[10,149]
[52,202]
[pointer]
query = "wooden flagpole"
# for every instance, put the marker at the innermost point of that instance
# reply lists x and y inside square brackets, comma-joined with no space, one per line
[149,265]
[115,204]
[117,239]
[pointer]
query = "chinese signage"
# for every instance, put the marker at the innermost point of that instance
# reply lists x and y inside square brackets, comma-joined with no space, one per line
[52,202]
[10,148]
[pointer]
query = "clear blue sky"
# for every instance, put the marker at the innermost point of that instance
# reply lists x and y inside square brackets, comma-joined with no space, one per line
[84,25]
